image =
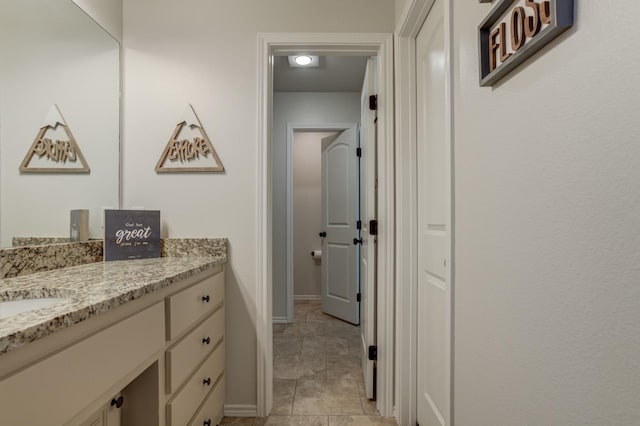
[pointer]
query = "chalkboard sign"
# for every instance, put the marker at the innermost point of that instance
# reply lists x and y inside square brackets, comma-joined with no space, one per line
[131,234]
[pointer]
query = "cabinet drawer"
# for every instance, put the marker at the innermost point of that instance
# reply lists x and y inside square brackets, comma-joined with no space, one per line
[186,307]
[185,355]
[184,404]
[211,411]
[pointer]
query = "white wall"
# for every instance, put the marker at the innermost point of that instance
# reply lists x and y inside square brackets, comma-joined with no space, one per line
[297,108]
[547,235]
[107,13]
[205,53]
[307,211]
[62,58]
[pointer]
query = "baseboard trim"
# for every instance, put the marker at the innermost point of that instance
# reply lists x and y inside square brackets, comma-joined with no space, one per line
[279,320]
[240,410]
[307,297]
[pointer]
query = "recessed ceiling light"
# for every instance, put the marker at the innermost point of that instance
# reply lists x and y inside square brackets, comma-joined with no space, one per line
[303,60]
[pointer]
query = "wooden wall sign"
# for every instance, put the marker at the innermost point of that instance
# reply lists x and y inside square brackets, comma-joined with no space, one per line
[54,149]
[131,234]
[515,30]
[189,149]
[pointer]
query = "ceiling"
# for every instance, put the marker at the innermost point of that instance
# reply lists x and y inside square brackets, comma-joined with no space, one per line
[334,74]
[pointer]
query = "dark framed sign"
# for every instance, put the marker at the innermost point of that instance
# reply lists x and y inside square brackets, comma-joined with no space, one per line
[515,30]
[131,234]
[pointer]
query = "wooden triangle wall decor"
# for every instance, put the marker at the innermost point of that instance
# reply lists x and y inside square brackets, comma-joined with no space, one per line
[189,149]
[54,149]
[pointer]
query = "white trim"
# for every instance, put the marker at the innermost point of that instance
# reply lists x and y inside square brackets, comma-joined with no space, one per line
[291,129]
[413,17]
[307,297]
[264,276]
[281,320]
[240,410]
[325,43]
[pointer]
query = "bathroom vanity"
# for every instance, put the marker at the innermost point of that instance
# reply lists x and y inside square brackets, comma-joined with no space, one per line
[131,342]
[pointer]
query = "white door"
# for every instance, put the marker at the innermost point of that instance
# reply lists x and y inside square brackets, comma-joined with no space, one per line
[368,212]
[339,271]
[434,292]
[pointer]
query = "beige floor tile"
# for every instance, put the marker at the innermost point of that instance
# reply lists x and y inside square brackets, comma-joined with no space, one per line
[292,421]
[355,346]
[359,421]
[310,367]
[286,345]
[325,397]
[279,328]
[302,308]
[318,315]
[340,329]
[369,407]
[305,329]
[238,421]
[325,345]
[344,367]
[283,392]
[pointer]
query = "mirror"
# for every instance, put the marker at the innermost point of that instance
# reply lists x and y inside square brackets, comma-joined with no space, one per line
[54,54]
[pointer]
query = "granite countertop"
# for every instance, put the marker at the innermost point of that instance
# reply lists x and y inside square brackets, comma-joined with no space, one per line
[91,289]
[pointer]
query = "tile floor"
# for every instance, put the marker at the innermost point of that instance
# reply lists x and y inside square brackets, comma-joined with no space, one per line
[317,374]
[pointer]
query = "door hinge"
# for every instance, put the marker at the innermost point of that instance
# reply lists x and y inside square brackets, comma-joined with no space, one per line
[373,102]
[359,224]
[373,227]
[358,297]
[359,152]
[373,353]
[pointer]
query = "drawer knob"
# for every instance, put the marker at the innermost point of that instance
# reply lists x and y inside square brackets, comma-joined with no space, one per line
[206,340]
[117,402]
[207,422]
[207,381]
[205,298]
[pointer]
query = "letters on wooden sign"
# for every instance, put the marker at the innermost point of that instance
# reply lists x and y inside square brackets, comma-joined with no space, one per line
[54,149]
[189,148]
[515,30]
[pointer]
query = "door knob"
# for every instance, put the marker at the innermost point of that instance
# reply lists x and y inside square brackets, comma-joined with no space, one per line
[357,241]
[117,402]
[322,234]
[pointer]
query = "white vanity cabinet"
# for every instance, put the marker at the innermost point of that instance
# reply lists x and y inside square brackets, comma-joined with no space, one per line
[196,356]
[163,353]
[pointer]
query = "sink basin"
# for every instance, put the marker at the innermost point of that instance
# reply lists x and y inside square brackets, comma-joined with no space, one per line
[9,308]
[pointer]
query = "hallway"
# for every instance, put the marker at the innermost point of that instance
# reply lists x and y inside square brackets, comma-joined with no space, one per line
[317,374]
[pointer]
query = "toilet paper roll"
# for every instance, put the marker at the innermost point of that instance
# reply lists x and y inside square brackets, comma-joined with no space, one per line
[316,254]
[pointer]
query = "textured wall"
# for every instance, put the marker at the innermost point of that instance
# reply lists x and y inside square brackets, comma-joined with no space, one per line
[547,294]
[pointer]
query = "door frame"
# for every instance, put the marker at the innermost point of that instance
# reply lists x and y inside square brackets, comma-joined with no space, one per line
[412,18]
[291,129]
[365,44]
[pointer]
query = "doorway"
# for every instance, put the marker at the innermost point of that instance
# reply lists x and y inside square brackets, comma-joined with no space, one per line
[344,44]
[317,355]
